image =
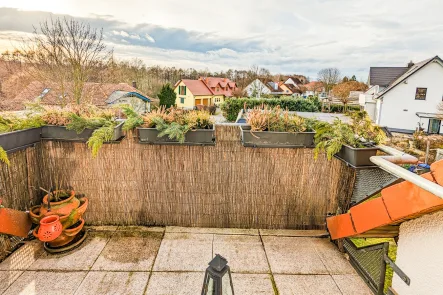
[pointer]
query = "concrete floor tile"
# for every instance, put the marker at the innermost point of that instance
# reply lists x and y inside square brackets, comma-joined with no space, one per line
[351,284]
[306,285]
[184,252]
[107,283]
[291,255]
[25,256]
[46,283]
[244,253]
[7,277]
[335,262]
[292,233]
[208,230]
[141,228]
[101,227]
[129,251]
[252,284]
[81,258]
[175,283]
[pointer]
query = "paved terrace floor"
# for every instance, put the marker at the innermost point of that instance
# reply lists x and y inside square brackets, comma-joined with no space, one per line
[172,260]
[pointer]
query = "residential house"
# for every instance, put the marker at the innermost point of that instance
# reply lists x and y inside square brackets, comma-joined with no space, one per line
[406,98]
[99,94]
[260,87]
[314,88]
[204,91]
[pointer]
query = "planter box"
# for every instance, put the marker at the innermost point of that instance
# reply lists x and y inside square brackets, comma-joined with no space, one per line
[196,137]
[17,139]
[357,157]
[61,133]
[270,139]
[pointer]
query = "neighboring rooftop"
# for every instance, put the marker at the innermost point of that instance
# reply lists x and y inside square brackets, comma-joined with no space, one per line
[384,76]
[50,93]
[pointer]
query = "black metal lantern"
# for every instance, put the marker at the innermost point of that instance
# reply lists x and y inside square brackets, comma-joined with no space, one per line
[218,278]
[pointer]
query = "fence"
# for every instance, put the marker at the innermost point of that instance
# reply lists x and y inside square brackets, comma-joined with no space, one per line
[226,185]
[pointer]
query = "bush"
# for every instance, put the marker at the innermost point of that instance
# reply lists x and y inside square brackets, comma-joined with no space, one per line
[231,107]
[337,108]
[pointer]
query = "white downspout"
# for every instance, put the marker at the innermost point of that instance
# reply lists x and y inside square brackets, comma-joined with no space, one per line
[388,163]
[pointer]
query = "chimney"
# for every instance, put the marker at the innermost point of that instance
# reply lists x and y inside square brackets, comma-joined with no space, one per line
[410,64]
[134,84]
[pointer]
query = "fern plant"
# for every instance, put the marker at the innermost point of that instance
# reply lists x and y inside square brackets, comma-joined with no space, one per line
[133,119]
[4,156]
[100,136]
[174,130]
[330,138]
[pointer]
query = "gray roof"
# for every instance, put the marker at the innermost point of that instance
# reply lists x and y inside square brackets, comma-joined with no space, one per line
[412,70]
[384,76]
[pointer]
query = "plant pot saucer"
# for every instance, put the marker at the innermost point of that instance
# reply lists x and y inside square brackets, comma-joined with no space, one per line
[76,242]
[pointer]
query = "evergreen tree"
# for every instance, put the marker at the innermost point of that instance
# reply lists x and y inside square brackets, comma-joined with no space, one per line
[353,78]
[167,96]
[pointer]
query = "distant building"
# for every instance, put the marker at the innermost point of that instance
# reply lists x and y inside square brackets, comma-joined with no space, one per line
[314,88]
[99,94]
[204,91]
[405,98]
[260,87]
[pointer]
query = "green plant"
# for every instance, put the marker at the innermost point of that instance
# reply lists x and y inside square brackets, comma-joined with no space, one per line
[176,123]
[277,120]
[100,136]
[231,107]
[133,119]
[4,156]
[331,137]
[167,96]
[9,123]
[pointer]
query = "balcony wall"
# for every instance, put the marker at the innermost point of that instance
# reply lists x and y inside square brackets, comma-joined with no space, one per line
[226,185]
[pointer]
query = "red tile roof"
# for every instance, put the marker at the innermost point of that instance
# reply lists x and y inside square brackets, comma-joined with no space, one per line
[398,203]
[94,93]
[208,86]
[197,87]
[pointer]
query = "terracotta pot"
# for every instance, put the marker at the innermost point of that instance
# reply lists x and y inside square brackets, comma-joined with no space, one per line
[50,228]
[67,235]
[14,222]
[66,220]
[61,208]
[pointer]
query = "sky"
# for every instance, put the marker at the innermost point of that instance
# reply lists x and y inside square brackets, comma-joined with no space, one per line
[284,36]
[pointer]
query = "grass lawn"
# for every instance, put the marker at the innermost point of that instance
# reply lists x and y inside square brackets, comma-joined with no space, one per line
[392,254]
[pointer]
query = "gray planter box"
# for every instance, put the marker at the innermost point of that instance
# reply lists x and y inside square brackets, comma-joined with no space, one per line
[357,157]
[270,139]
[61,133]
[195,137]
[14,140]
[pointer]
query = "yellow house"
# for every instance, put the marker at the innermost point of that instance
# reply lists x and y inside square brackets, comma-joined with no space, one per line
[204,91]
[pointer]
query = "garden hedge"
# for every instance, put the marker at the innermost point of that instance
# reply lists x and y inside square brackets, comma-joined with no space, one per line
[231,107]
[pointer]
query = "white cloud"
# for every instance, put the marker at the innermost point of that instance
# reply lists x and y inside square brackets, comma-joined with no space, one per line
[120,33]
[149,38]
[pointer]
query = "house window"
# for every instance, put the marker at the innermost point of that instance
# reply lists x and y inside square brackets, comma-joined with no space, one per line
[218,89]
[182,90]
[182,100]
[420,93]
[434,126]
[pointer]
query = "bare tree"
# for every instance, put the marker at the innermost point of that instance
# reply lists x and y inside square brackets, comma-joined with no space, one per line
[66,52]
[329,77]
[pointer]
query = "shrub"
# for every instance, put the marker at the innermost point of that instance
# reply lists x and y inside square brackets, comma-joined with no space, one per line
[231,107]
[277,120]
[361,133]
[167,96]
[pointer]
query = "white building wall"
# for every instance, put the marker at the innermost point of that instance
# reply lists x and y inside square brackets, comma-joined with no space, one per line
[399,105]
[257,88]
[420,256]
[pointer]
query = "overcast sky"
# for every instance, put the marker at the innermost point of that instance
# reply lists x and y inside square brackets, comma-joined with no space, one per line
[285,36]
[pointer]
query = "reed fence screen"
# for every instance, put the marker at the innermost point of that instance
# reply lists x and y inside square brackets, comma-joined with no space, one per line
[226,185]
